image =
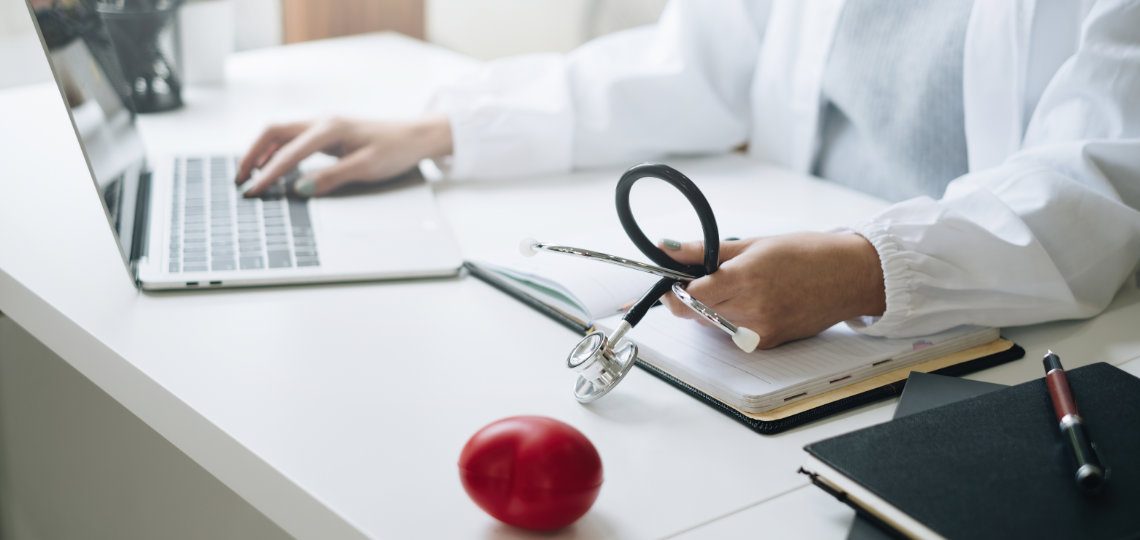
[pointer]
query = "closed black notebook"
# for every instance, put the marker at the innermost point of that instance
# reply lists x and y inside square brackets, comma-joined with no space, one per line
[995,466]
[924,391]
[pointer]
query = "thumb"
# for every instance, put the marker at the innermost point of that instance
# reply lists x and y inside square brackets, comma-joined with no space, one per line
[694,252]
[348,169]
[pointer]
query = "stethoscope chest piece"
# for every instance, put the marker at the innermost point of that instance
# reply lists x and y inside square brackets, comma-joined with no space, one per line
[602,362]
[600,367]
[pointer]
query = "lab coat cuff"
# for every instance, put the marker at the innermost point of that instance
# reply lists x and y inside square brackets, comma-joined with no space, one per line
[897,283]
[512,117]
[494,143]
[460,163]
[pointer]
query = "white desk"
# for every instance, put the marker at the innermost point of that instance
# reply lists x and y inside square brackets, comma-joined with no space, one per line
[337,410]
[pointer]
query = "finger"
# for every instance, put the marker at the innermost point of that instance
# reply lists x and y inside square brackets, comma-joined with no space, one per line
[684,252]
[268,154]
[680,310]
[292,153]
[694,252]
[715,288]
[266,144]
[677,307]
[352,168]
[729,249]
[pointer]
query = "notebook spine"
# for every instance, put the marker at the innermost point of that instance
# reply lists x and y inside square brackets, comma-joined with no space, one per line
[842,497]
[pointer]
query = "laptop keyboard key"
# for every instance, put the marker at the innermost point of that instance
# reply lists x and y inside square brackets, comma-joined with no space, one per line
[212,227]
[280,259]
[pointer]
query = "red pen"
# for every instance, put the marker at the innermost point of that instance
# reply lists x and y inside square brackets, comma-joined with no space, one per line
[1090,473]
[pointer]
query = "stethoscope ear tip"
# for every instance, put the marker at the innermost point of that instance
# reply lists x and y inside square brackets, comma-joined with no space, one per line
[528,247]
[746,339]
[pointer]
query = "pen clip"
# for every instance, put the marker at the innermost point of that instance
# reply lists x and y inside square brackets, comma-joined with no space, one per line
[1099,459]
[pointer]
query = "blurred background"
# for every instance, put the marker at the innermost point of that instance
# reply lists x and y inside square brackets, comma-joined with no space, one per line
[484,29]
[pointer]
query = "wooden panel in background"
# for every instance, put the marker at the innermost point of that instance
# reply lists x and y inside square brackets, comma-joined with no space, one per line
[304,20]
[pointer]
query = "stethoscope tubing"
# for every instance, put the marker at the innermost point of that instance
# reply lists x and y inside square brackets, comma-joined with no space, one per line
[699,203]
[704,212]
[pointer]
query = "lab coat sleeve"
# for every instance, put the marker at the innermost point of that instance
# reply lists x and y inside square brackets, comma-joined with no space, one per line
[1049,234]
[679,86]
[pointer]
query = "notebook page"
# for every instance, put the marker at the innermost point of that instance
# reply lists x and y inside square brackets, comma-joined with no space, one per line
[599,289]
[544,290]
[708,358]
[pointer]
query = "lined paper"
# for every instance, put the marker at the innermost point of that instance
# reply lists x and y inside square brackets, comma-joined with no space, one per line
[707,358]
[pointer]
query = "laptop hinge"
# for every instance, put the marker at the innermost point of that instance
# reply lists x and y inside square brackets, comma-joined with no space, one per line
[140,239]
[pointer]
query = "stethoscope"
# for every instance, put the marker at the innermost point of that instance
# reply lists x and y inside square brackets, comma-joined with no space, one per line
[602,362]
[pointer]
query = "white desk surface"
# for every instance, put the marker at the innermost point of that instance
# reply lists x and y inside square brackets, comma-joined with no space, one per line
[337,410]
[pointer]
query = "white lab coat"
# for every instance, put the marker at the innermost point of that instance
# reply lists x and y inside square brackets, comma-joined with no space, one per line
[1044,226]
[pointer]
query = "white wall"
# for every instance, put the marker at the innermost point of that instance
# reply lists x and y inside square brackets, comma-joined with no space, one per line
[257,23]
[20,60]
[489,29]
[10,13]
[484,29]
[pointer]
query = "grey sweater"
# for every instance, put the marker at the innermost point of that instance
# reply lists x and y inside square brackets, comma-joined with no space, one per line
[892,122]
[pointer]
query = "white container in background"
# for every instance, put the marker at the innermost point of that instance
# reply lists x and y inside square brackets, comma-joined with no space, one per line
[206,38]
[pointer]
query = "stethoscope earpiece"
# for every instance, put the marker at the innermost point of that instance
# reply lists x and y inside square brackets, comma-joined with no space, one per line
[528,247]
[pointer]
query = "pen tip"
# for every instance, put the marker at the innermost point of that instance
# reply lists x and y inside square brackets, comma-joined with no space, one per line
[1051,361]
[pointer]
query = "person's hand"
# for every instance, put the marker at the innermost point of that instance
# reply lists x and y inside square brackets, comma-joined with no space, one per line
[786,287]
[368,150]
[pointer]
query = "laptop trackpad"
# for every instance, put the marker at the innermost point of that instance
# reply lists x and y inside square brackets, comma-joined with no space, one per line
[389,229]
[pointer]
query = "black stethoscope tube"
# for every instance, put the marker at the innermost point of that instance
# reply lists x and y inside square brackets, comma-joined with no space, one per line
[708,227]
[635,313]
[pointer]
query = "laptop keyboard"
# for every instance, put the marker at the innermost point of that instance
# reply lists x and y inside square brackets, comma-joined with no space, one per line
[214,228]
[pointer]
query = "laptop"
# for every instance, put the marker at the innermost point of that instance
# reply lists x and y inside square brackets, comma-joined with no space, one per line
[182,223]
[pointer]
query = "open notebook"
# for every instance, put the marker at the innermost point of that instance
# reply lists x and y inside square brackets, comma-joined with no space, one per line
[764,380]
[578,292]
[769,391]
[774,390]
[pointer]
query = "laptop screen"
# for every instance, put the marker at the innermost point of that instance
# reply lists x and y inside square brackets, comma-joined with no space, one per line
[86,69]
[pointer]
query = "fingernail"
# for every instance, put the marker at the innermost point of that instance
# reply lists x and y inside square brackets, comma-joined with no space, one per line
[305,187]
[671,245]
[245,187]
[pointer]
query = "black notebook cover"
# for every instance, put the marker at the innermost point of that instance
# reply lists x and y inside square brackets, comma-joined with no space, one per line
[996,467]
[924,391]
